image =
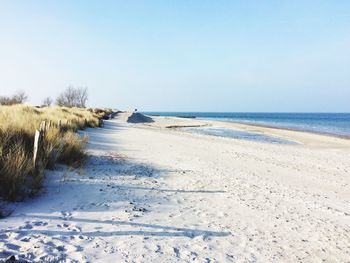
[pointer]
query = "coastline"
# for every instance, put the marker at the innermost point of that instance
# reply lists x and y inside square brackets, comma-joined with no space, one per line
[347,137]
[156,194]
[307,138]
[251,123]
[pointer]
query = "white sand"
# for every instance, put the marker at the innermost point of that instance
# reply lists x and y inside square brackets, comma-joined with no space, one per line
[151,194]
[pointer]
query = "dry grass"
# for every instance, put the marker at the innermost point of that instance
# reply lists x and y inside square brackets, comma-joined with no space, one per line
[18,176]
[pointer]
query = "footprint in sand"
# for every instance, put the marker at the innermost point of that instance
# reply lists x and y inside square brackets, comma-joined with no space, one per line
[40,223]
[65,225]
[25,239]
[158,250]
[177,252]
[74,228]
[70,227]
[26,226]
[66,215]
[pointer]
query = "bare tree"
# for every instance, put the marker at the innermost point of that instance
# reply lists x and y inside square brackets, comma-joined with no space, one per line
[20,97]
[73,97]
[5,100]
[82,95]
[17,98]
[47,102]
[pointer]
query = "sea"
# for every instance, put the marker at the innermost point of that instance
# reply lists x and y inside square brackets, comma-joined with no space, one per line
[336,124]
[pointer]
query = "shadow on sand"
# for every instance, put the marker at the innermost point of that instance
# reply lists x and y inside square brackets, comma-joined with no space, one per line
[112,180]
[163,231]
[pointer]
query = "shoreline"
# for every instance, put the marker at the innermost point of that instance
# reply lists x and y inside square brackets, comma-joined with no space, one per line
[155,194]
[306,138]
[346,137]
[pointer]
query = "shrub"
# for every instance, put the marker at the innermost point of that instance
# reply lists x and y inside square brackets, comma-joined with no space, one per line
[18,98]
[18,176]
[73,149]
[14,169]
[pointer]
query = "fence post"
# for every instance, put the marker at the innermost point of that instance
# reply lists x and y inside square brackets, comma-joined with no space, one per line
[43,127]
[37,148]
[38,152]
[38,157]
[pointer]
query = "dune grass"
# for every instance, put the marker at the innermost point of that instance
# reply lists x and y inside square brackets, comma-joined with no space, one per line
[18,176]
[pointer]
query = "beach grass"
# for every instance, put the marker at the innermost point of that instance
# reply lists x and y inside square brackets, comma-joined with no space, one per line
[19,177]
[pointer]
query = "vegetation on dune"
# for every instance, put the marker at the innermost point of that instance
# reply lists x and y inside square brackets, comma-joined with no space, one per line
[18,98]
[18,175]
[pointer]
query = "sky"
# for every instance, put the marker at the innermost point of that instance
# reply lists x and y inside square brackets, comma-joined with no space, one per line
[231,56]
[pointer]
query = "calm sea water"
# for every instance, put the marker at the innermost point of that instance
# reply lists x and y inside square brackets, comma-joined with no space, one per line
[328,123]
[243,135]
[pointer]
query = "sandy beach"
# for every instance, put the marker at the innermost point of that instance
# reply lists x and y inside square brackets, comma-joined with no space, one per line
[149,193]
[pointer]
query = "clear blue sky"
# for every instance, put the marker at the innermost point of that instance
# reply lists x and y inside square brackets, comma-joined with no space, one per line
[180,55]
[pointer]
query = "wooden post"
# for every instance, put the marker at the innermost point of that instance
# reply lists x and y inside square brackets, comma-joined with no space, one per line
[38,159]
[37,148]
[38,151]
[43,127]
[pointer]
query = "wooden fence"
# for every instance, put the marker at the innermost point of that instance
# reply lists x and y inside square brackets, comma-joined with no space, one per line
[39,145]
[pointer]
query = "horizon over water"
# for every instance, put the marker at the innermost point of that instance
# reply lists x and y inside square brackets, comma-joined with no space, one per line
[337,124]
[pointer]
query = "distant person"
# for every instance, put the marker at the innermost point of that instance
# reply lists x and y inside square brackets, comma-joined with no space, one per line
[135,110]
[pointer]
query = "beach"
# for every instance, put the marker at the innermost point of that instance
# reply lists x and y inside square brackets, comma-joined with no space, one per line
[150,193]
